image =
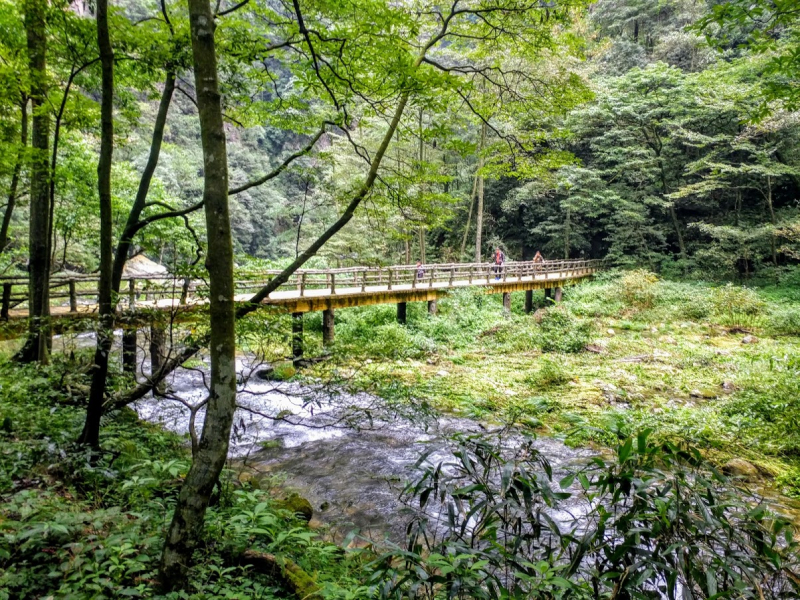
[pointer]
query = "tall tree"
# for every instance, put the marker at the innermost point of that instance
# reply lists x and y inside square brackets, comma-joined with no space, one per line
[208,460]
[38,343]
[105,331]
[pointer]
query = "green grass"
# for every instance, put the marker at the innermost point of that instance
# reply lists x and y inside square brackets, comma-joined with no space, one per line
[667,355]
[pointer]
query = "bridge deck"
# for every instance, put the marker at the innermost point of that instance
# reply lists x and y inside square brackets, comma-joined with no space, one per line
[314,290]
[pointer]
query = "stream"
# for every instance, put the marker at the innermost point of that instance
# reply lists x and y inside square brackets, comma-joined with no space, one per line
[349,455]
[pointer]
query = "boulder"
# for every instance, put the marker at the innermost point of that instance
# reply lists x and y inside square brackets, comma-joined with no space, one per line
[749,339]
[739,467]
[298,505]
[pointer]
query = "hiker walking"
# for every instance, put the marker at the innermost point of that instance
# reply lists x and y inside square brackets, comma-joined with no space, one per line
[420,271]
[499,259]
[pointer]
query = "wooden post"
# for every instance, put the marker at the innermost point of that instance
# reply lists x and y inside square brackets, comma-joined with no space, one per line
[158,347]
[390,279]
[132,295]
[528,301]
[73,297]
[6,301]
[328,329]
[432,308]
[333,283]
[401,313]
[452,274]
[507,303]
[303,285]
[297,336]
[558,293]
[129,350]
[363,281]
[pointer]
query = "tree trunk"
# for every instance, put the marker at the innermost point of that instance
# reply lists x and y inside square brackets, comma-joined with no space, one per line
[39,334]
[469,216]
[187,523]
[132,226]
[479,212]
[105,330]
[12,192]
[773,220]
[567,228]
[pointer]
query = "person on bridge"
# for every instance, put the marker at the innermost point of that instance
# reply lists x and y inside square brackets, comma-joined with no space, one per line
[420,271]
[499,261]
[538,257]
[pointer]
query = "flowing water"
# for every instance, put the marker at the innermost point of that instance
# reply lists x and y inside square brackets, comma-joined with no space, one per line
[348,455]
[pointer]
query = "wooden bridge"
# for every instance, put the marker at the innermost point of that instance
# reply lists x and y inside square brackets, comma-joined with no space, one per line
[75,297]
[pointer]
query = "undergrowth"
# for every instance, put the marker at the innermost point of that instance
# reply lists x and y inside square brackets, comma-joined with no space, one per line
[75,528]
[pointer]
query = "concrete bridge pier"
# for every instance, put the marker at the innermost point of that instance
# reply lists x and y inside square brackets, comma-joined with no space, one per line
[328,327]
[401,313]
[129,350]
[506,303]
[297,336]
[432,307]
[558,293]
[528,301]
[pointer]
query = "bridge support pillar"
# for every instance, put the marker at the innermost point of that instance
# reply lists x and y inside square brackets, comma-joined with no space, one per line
[297,336]
[558,293]
[528,301]
[401,313]
[129,350]
[548,292]
[158,348]
[432,308]
[328,328]
[506,303]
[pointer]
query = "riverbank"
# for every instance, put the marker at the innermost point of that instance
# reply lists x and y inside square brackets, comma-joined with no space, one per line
[715,365]
[71,528]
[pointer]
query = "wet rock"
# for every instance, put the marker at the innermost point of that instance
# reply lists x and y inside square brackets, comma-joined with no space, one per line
[749,339]
[611,332]
[594,348]
[442,373]
[706,394]
[739,467]
[298,505]
[728,387]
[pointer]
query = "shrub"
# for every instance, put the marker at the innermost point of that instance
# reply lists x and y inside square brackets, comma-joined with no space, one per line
[639,288]
[561,332]
[656,521]
[737,307]
[550,374]
[784,320]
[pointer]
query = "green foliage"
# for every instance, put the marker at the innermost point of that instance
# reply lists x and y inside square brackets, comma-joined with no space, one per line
[75,526]
[550,374]
[737,307]
[638,288]
[660,501]
[560,331]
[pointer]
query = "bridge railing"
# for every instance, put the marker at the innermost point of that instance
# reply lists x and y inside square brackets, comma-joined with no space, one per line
[79,292]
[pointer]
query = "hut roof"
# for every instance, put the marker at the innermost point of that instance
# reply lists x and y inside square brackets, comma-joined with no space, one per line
[142,267]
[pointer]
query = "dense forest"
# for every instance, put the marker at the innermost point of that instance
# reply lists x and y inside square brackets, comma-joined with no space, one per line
[637,440]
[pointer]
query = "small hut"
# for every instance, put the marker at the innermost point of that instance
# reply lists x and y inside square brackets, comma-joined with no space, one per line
[141,267]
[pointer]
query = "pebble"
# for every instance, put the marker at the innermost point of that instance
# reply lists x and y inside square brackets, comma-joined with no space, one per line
[611,332]
[442,373]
